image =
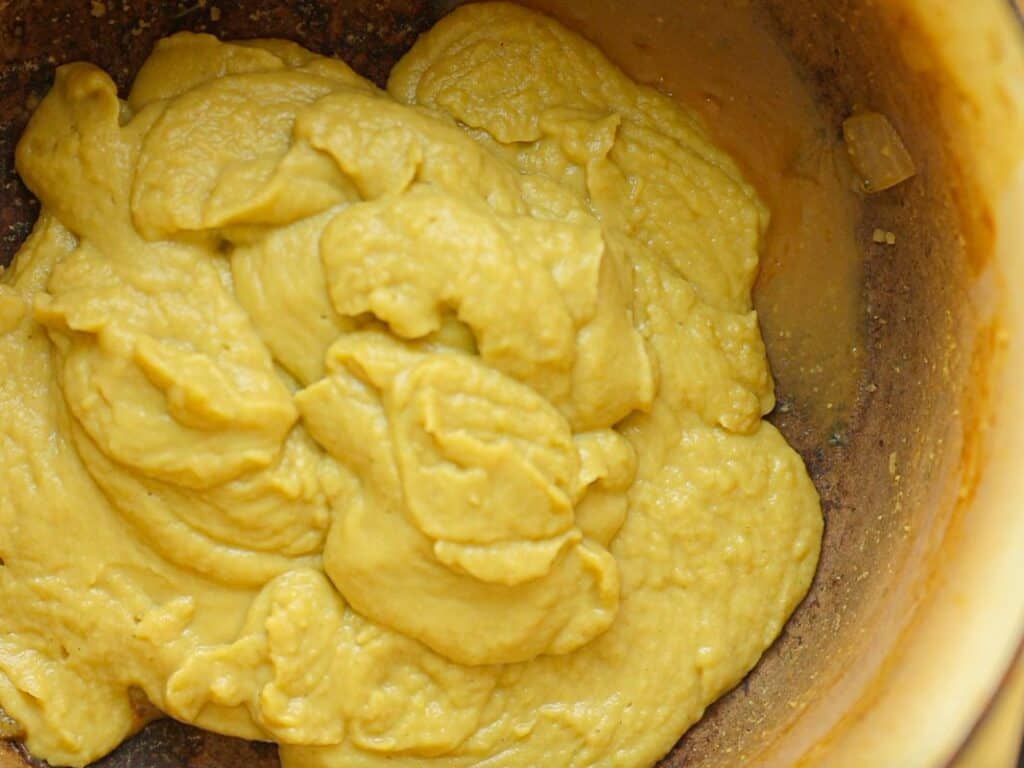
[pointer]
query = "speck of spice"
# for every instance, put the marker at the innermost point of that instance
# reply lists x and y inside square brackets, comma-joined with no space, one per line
[882,236]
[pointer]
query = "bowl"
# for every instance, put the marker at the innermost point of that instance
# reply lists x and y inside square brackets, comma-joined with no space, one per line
[917,610]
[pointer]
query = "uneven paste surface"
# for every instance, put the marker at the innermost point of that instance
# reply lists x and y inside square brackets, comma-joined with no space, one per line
[405,428]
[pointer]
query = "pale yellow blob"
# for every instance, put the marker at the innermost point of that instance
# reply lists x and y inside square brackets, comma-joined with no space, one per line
[418,427]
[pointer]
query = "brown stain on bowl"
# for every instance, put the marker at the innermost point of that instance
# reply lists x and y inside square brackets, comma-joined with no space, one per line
[888,477]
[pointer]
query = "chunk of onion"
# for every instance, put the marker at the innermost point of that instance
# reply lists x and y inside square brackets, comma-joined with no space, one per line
[876,150]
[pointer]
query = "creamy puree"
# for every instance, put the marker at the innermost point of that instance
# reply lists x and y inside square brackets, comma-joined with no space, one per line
[418,427]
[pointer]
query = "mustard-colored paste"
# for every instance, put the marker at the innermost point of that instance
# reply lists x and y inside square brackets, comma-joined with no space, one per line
[405,428]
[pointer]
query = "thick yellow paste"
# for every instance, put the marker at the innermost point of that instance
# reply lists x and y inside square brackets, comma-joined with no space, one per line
[418,427]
